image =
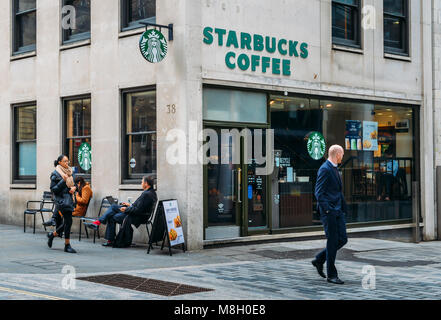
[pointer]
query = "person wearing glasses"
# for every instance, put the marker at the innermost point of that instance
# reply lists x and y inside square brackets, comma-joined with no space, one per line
[63,188]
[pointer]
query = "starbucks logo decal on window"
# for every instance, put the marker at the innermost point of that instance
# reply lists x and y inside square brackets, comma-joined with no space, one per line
[153,46]
[85,156]
[316,145]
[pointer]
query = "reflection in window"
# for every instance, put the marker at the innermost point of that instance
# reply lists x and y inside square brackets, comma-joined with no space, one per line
[77,129]
[135,11]
[395,26]
[25,143]
[346,22]
[82,21]
[139,150]
[377,169]
[25,24]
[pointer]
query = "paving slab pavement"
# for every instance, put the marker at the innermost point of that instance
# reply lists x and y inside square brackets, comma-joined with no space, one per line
[266,271]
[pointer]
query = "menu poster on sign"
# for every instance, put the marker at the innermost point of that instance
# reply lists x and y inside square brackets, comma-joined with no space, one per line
[174,223]
[370,136]
[353,135]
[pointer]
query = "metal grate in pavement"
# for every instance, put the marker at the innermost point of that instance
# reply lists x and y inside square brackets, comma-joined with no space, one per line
[159,287]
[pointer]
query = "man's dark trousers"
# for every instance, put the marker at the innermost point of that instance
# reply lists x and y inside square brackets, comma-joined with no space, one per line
[334,224]
[111,217]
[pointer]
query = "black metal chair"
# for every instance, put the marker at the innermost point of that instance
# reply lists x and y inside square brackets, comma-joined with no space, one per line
[150,221]
[46,200]
[81,222]
[104,205]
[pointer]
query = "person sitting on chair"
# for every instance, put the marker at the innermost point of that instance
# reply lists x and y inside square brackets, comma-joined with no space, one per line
[83,197]
[139,211]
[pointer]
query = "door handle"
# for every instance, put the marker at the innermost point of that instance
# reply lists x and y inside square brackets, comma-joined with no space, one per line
[233,184]
[239,185]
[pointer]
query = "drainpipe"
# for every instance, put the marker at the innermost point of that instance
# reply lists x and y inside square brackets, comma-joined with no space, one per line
[438,198]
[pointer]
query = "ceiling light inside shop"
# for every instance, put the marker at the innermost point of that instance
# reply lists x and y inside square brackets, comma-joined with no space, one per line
[276,104]
[329,106]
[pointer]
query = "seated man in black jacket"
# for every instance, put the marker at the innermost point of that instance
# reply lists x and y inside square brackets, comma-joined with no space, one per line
[139,212]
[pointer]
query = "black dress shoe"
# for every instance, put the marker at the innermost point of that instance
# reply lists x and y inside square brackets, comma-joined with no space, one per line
[319,268]
[50,239]
[335,280]
[107,244]
[69,249]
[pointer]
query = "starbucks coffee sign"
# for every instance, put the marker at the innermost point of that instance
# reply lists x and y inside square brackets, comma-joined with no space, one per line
[256,52]
[316,145]
[153,46]
[85,156]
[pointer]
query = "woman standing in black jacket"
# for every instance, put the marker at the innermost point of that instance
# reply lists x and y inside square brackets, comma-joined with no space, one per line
[63,187]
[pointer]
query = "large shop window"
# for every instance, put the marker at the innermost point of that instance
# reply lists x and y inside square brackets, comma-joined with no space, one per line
[378,166]
[346,22]
[25,25]
[139,135]
[396,26]
[25,144]
[135,11]
[77,133]
[81,29]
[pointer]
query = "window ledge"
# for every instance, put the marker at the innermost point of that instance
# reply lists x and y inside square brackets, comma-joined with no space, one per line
[25,186]
[347,49]
[75,44]
[397,57]
[24,55]
[130,187]
[132,32]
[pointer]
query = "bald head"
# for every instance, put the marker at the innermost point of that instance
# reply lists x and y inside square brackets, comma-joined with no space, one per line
[336,153]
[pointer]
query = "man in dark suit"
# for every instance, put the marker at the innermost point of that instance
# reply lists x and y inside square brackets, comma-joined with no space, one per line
[332,208]
[139,212]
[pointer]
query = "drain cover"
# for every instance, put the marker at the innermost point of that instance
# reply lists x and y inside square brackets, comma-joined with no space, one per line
[162,288]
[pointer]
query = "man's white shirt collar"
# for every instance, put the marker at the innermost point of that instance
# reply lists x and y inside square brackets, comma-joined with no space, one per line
[335,165]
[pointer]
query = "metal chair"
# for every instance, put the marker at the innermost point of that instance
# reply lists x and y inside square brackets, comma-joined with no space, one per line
[104,205]
[150,220]
[81,222]
[47,199]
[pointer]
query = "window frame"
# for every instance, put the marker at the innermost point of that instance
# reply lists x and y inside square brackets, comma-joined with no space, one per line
[357,43]
[404,33]
[125,177]
[65,144]
[16,50]
[125,24]
[16,178]
[65,38]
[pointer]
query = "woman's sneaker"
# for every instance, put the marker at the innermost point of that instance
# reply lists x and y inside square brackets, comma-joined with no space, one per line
[94,225]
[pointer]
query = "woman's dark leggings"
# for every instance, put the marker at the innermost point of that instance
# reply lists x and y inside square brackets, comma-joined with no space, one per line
[64,224]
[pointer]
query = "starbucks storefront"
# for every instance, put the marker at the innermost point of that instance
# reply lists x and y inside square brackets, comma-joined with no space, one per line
[378,168]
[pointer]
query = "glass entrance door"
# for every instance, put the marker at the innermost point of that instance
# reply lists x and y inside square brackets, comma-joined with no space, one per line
[235,194]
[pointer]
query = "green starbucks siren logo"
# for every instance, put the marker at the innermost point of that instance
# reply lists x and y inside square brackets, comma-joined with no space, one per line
[316,145]
[85,156]
[153,46]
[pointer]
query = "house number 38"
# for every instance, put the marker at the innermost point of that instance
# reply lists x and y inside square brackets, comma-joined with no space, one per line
[171,108]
